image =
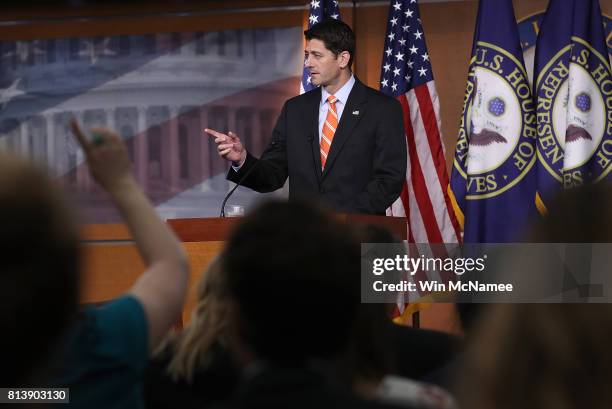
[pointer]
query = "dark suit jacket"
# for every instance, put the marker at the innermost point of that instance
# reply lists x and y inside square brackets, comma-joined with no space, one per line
[366,167]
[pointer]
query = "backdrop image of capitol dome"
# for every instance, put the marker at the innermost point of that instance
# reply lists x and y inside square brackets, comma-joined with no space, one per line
[159,91]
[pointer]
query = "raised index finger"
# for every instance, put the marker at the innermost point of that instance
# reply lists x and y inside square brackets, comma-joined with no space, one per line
[214,133]
[78,133]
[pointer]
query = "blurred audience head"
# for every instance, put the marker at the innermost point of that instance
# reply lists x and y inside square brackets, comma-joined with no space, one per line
[371,351]
[547,355]
[580,215]
[39,274]
[208,325]
[293,273]
[540,356]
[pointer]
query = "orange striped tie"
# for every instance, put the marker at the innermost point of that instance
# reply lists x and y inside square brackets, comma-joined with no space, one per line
[329,129]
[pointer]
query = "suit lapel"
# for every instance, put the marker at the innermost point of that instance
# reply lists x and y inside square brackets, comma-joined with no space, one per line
[351,115]
[312,117]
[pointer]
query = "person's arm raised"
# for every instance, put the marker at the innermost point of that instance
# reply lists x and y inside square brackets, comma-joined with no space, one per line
[163,286]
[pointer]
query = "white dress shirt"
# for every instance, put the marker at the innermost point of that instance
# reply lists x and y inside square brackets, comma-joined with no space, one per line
[342,94]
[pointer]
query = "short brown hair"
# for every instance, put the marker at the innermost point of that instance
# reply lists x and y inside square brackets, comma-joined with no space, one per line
[336,35]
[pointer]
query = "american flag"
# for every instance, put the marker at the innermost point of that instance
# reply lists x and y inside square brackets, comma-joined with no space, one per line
[406,74]
[319,11]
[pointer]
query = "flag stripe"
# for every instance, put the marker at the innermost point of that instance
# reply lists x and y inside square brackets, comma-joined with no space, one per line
[428,98]
[416,221]
[418,180]
[424,152]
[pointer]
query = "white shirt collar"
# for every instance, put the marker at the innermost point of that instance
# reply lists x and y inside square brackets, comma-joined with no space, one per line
[342,94]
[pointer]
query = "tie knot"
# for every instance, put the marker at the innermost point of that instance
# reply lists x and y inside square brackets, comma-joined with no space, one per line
[332,99]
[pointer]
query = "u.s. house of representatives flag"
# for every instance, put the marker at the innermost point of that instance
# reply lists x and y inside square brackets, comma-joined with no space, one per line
[493,178]
[319,11]
[573,90]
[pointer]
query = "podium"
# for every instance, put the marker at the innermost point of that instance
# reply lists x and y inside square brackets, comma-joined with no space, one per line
[111,263]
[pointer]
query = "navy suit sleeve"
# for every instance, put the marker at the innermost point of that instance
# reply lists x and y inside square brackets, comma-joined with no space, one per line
[271,169]
[389,163]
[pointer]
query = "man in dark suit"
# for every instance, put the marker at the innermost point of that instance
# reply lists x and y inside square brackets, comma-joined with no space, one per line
[342,142]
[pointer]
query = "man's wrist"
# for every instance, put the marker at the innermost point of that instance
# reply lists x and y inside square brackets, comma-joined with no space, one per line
[240,162]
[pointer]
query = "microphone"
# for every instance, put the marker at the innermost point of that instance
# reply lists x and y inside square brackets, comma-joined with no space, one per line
[273,143]
[231,192]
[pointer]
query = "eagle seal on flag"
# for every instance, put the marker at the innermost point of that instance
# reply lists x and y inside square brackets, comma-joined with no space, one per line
[493,177]
[497,125]
[573,88]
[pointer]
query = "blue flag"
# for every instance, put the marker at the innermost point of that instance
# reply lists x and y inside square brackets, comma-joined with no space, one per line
[551,70]
[493,178]
[319,11]
[573,90]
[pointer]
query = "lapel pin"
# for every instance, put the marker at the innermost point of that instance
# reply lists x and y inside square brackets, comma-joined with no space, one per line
[355,112]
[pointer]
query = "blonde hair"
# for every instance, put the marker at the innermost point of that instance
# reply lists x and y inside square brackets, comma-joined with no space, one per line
[190,347]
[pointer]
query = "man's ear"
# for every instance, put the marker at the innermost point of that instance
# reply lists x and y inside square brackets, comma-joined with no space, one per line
[344,57]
